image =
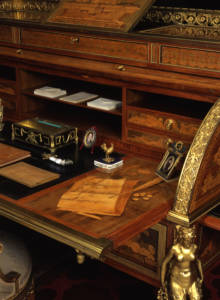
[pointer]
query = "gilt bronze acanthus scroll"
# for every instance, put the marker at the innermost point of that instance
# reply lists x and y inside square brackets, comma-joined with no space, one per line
[183,16]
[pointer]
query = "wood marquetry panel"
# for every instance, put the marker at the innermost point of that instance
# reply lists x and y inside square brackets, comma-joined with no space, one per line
[144,252]
[118,15]
[138,214]
[9,34]
[190,58]
[6,34]
[168,123]
[85,44]
[148,139]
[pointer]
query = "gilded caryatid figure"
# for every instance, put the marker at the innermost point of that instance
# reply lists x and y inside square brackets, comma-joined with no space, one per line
[181,270]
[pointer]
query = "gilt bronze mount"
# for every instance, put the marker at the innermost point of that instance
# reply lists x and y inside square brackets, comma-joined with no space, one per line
[181,270]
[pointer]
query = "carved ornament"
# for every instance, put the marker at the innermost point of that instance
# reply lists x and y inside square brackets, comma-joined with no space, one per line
[183,16]
[27,5]
[192,163]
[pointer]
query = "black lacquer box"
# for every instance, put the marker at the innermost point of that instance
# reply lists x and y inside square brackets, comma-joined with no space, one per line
[45,134]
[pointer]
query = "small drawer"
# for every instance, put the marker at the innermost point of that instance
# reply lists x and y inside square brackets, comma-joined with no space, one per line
[186,127]
[148,139]
[144,252]
[6,34]
[9,34]
[85,44]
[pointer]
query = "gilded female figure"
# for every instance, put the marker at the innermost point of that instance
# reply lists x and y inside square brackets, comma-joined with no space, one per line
[181,271]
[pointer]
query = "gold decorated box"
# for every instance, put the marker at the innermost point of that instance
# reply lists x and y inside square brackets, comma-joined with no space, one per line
[45,134]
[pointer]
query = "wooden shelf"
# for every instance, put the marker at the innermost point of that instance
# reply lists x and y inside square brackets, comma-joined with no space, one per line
[83,104]
[7,87]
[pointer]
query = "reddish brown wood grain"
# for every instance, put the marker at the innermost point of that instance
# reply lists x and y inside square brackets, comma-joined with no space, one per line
[211,221]
[138,215]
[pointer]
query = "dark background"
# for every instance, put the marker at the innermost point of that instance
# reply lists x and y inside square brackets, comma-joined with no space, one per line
[189,4]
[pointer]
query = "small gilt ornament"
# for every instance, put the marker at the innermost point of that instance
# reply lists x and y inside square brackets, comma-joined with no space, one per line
[108,151]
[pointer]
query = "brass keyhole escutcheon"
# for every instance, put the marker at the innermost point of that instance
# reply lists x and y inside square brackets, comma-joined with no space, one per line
[168,142]
[74,40]
[121,68]
[169,123]
[19,51]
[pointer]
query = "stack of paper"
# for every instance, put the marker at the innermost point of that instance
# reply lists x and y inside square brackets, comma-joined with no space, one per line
[108,166]
[104,103]
[49,92]
[79,97]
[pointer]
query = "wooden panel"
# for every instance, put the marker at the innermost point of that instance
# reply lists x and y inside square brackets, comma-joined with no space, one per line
[7,87]
[10,154]
[211,221]
[210,246]
[144,252]
[166,122]
[6,33]
[28,174]
[148,139]
[85,44]
[190,58]
[119,15]
[137,216]
[9,34]
[195,87]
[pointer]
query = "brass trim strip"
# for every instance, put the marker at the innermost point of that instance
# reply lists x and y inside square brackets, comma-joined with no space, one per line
[191,218]
[86,244]
[183,16]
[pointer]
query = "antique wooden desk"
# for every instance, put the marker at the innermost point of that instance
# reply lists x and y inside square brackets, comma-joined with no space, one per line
[167,79]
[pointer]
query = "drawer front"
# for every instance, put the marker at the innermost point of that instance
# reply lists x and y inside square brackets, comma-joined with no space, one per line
[148,139]
[180,126]
[191,58]
[6,34]
[9,34]
[144,252]
[85,44]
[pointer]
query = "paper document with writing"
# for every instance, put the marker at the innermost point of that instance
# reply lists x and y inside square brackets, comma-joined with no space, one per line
[96,195]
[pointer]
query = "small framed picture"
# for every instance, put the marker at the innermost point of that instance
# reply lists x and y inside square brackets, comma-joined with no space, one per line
[89,138]
[170,166]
